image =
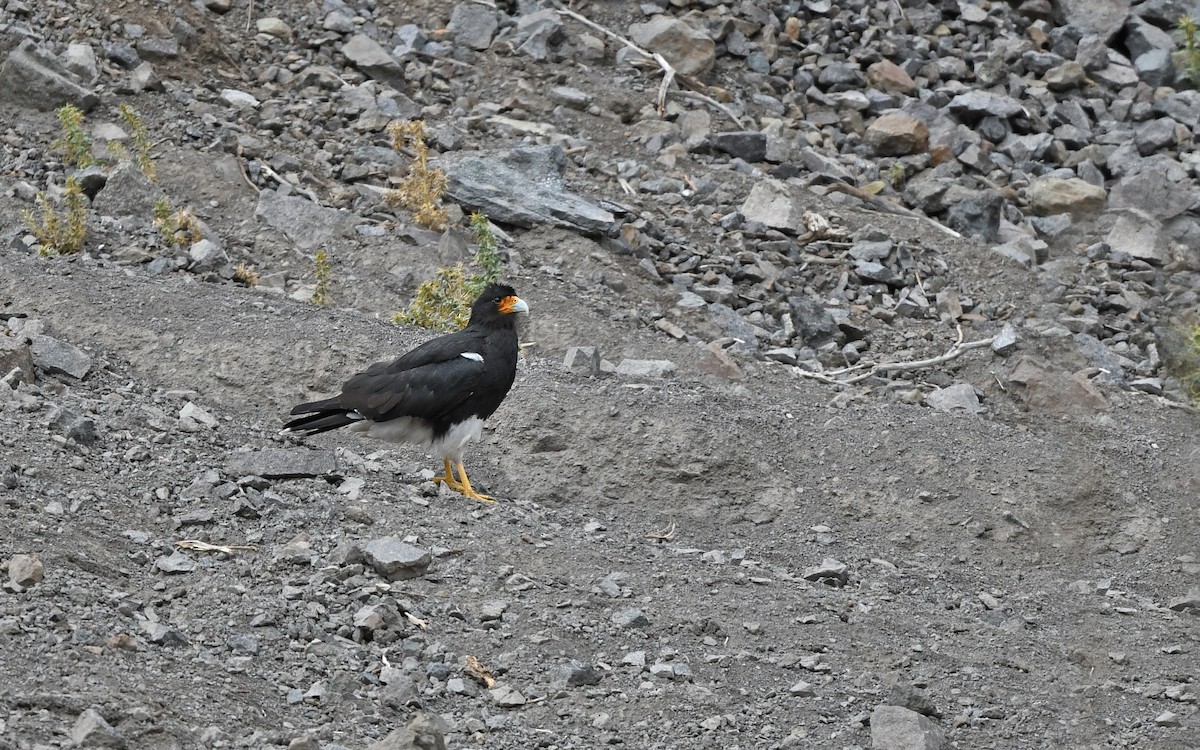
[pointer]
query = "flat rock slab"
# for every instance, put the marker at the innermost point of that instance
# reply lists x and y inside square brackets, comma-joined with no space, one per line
[524,187]
[59,358]
[306,223]
[283,463]
[396,559]
[898,728]
[33,78]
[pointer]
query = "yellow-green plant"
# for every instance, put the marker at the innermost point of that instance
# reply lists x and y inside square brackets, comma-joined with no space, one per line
[1180,346]
[1187,28]
[421,192]
[176,227]
[75,143]
[141,141]
[60,233]
[895,174]
[323,272]
[444,302]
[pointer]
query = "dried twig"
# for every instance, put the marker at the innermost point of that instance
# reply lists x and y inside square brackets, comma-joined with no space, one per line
[479,672]
[198,546]
[669,72]
[422,624]
[876,369]
[242,168]
[666,535]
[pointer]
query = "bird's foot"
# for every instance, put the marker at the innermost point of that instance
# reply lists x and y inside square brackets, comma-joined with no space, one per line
[467,490]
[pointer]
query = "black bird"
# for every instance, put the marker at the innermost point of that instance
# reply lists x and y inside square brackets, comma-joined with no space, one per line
[438,394]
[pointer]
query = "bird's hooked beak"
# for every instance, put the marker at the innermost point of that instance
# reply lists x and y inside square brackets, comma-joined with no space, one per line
[512,304]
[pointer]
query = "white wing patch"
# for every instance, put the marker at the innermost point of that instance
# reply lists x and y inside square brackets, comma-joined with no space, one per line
[472,355]
[354,415]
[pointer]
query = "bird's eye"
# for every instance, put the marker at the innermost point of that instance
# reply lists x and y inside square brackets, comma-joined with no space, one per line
[498,300]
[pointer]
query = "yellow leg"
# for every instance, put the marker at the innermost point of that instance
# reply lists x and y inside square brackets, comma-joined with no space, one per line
[449,479]
[466,489]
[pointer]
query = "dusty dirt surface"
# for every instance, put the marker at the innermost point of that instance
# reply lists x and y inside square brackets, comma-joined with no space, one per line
[673,563]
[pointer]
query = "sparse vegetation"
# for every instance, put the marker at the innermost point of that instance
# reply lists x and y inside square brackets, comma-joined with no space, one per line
[444,302]
[1187,27]
[245,275]
[141,141]
[323,271]
[895,175]
[421,192]
[176,227]
[74,143]
[60,233]
[1181,353]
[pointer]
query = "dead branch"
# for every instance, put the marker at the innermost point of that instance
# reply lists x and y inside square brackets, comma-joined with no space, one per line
[880,368]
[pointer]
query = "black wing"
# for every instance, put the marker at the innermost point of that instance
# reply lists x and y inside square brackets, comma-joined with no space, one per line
[427,382]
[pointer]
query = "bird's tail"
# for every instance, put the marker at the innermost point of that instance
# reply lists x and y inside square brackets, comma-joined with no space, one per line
[320,416]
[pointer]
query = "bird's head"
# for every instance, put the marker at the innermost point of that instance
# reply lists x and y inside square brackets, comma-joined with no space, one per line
[497,304]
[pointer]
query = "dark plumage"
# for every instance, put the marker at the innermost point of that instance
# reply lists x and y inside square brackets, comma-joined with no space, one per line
[437,394]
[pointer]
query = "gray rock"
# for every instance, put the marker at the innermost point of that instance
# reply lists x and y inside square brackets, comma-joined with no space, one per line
[158,48]
[1140,236]
[814,324]
[1188,602]
[176,562]
[161,634]
[877,273]
[32,78]
[409,39]
[772,203]
[898,728]
[897,134]
[339,22]
[575,673]
[304,222]
[1103,18]
[958,397]
[15,354]
[748,145]
[128,193]
[396,559]
[282,463]
[206,256]
[977,215]
[506,697]
[91,730]
[909,696]
[26,570]
[1162,190]
[473,25]
[524,187]
[123,55]
[73,425]
[58,357]
[239,99]
[582,360]
[1142,36]
[1156,67]
[830,572]
[975,104]
[688,50]
[80,59]
[1005,342]
[272,26]
[371,58]
[630,617]
[646,368]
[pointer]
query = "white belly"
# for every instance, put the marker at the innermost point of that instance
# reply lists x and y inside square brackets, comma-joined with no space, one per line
[417,431]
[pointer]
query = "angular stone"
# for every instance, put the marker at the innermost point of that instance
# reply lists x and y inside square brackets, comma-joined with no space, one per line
[176,562]
[33,78]
[575,673]
[897,728]
[26,570]
[831,572]
[748,145]
[771,202]
[161,634]
[1162,190]
[1188,602]
[1054,392]
[73,425]
[282,463]
[1069,75]
[396,559]
[58,357]
[976,104]
[958,397]
[506,697]
[1140,236]
[582,360]
[473,25]
[206,256]
[897,134]
[371,58]
[814,324]
[1103,18]
[1055,195]
[1005,342]
[128,193]
[886,75]
[238,99]
[877,273]
[976,213]
[81,60]
[91,730]
[688,50]
[630,617]
[15,355]
[524,186]
[272,26]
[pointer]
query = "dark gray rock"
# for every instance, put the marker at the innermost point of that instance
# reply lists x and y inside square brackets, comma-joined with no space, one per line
[371,58]
[877,273]
[575,673]
[34,79]
[91,730]
[748,145]
[128,193]
[978,215]
[73,425]
[814,325]
[396,559]
[974,105]
[473,25]
[524,187]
